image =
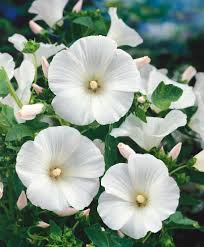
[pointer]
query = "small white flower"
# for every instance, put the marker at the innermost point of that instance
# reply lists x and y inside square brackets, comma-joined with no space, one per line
[93,80]
[1,189]
[150,134]
[24,76]
[6,61]
[29,112]
[50,11]
[60,168]
[122,33]
[197,121]
[151,78]
[138,196]
[45,50]
[199,165]
[22,201]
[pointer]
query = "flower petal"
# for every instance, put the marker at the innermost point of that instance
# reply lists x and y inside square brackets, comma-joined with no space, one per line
[7,62]
[18,41]
[117,182]
[122,33]
[114,211]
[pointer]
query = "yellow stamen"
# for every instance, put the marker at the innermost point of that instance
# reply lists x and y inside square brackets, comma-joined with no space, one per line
[141,200]
[56,172]
[93,85]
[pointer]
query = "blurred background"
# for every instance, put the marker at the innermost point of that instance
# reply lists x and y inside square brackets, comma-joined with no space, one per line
[173,31]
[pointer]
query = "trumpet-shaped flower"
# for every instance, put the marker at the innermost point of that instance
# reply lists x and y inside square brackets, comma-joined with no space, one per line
[60,168]
[50,11]
[197,121]
[122,33]
[93,80]
[7,62]
[138,196]
[45,50]
[150,134]
[151,78]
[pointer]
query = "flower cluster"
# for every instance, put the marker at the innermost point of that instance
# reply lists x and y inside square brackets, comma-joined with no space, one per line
[72,102]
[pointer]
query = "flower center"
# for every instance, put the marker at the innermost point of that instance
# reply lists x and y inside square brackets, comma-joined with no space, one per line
[56,172]
[93,85]
[141,200]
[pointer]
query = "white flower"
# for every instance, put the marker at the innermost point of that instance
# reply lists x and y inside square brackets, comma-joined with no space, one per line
[24,76]
[138,196]
[29,112]
[122,33]
[150,134]
[93,80]
[100,145]
[197,121]
[6,61]
[60,168]
[45,50]
[199,164]
[152,77]
[50,11]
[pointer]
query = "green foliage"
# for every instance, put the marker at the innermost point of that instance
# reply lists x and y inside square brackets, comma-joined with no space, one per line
[164,95]
[31,47]
[102,238]
[3,82]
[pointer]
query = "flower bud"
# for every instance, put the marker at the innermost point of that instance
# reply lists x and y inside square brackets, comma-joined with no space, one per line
[22,201]
[175,151]
[45,66]
[67,212]
[29,112]
[125,150]
[86,212]
[142,61]
[35,28]
[38,89]
[141,99]
[120,234]
[78,6]
[43,224]
[1,189]
[199,165]
[188,74]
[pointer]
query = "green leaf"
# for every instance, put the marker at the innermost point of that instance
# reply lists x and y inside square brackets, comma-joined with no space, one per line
[164,95]
[7,118]
[111,153]
[84,21]
[179,221]
[3,82]
[31,47]
[18,131]
[141,114]
[105,238]
[55,231]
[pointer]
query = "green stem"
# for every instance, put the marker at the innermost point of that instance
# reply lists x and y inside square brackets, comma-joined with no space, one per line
[13,92]
[75,226]
[147,237]
[178,169]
